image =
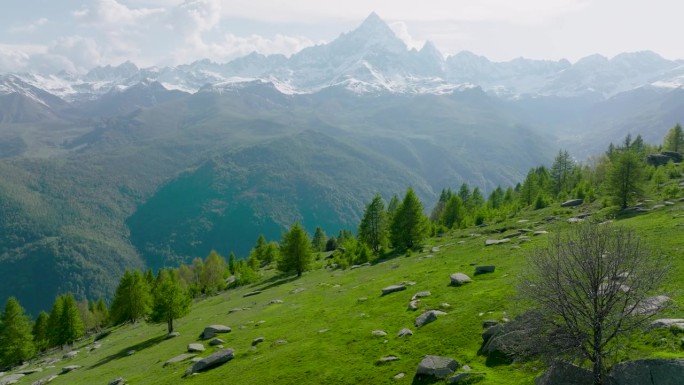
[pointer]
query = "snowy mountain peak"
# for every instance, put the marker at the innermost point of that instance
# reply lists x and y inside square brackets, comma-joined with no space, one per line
[373,33]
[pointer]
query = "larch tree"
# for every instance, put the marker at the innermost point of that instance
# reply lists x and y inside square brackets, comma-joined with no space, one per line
[131,299]
[16,340]
[625,177]
[40,331]
[295,251]
[373,229]
[674,139]
[562,171]
[213,273]
[409,225]
[319,240]
[71,326]
[454,212]
[170,300]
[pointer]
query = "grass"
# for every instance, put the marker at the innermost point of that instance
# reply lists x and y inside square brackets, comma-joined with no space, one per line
[328,330]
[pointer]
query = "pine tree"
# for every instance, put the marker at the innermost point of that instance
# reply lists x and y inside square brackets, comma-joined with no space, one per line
[101,313]
[561,173]
[409,225]
[674,140]
[16,340]
[40,331]
[231,263]
[454,212]
[295,251]
[373,227]
[131,299]
[464,193]
[170,301]
[319,240]
[393,206]
[625,177]
[71,325]
[54,321]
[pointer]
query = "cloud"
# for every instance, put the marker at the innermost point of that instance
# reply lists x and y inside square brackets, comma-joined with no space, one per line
[401,30]
[110,12]
[30,27]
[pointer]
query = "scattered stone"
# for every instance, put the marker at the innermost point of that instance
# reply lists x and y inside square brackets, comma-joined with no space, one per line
[413,305]
[648,372]
[388,359]
[379,333]
[421,294]
[491,242]
[260,323]
[26,372]
[362,299]
[436,366]
[655,207]
[10,379]
[251,293]
[563,373]
[235,309]
[196,347]
[467,377]
[652,305]
[354,267]
[489,323]
[393,289]
[172,335]
[540,232]
[434,250]
[668,203]
[572,203]
[180,358]
[279,342]
[426,318]
[297,290]
[408,283]
[668,323]
[324,330]
[70,368]
[275,301]
[444,305]
[366,264]
[458,279]
[575,220]
[399,376]
[216,359]
[404,332]
[216,341]
[258,340]
[212,330]
[466,368]
[117,381]
[523,221]
[71,354]
[44,380]
[484,269]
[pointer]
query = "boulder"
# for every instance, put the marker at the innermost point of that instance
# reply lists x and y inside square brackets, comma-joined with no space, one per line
[563,373]
[71,354]
[575,220]
[668,323]
[69,368]
[362,299]
[540,232]
[212,330]
[489,323]
[251,293]
[279,342]
[257,340]
[572,203]
[379,333]
[46,380]
[458,279]
[413,305]
[404,332]
[505,342]
[388,359]
[421,294]
[652,305]
[427,317]
[275,301]
[484,269]
[26,372]
[10,379]
[192,348]
[491,242]
[117,381]
[180,358]
[172,335]
[216,341]
[214,360]
[648,372]
[466,377]
[436,366]
[393,289]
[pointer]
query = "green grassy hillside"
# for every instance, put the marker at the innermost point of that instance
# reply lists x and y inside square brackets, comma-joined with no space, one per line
[328,324]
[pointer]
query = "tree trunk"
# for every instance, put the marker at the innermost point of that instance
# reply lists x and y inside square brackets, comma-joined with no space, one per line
[169,324]
[597,368]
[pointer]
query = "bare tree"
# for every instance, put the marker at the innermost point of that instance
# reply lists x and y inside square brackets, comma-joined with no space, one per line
[591,285]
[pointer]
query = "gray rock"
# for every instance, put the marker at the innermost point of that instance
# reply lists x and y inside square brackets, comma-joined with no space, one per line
[71,354]
[180,358]
[563,373]
[393,289]
[214,360]
[172,335]
[362,299]
[388,359]
[491,242]
[399,376]
[275,301]
[216,341]
[404,332]
[354,267]
[26,372]
[234,310]
[379,333]
[251,293]
[668,323]
[212,330]
[436,366]
[279,342]
[192,348]
[324,330]
[484,269]
[489,323]
[668,203]
[258,340]
[421,294]
[10,379]
[45,380]
[130,352]
[575,220]
[467,377]
[426,318]
[572,203]
[413,305]
[117,381]
[652,305]
[648,372]
[434,250]
[540,232]
[70,368]
[260,323]
[458,279]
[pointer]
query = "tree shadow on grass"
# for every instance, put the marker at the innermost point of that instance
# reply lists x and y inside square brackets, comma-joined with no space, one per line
[124,352]
[275,281]
[424,380]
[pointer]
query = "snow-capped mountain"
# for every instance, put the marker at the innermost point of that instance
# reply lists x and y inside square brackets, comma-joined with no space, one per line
[372,59]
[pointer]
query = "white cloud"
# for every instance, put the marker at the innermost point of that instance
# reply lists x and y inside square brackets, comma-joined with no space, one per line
[111,12]
[30,27]
[401,30]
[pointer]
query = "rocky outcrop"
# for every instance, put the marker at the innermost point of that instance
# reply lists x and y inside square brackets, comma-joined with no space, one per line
[393,289]
[563,373]
[572,203]
[212,330]
[212,361]
[458,279]
[436,366]
[648,372]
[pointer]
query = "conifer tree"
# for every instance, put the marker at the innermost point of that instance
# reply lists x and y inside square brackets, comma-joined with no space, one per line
[40,331]
[561,173]
[16,340]
[373,230]
[213,273]
[295,251]
[319,240]
[131,299]
[409,225]
[231,263]
[674,140]
[170,300]
[54,321]
[625,177]
[454,212]
[71,325]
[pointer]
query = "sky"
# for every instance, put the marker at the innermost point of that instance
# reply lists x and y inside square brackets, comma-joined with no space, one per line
[76,35]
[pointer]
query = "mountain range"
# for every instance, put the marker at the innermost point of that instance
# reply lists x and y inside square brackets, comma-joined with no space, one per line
[132,167]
